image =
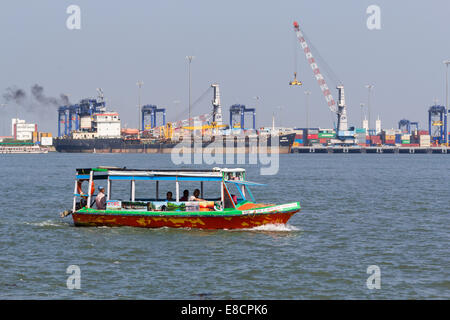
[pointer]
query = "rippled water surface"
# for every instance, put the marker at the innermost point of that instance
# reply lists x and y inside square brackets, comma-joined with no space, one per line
[358,210]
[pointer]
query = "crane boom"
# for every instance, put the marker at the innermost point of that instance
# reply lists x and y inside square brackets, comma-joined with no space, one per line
[340,109]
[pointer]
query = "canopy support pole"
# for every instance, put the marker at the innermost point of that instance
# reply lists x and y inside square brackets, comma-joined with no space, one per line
[108,197]
[157,190]
[74,196]
[222,193]
[91,181]
[133,190]
[201,189]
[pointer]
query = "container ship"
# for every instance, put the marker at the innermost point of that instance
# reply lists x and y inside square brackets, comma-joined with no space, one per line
[257,143]
[88,127]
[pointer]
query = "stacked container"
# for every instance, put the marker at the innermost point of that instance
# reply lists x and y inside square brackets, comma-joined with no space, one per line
[425,140]
[389,139]
[313,136]
[298,142]
[375,140]
[326,136]
[361,137]
[406,139]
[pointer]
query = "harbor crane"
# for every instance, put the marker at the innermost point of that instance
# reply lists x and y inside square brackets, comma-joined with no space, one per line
[238,111]
[405,126]
[151,111]
[343,135]
[437,124]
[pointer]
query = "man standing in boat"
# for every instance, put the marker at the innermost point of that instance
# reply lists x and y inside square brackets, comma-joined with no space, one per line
[100,200]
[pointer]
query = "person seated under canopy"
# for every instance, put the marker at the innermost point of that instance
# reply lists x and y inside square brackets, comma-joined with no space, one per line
[195,196]
[185,196]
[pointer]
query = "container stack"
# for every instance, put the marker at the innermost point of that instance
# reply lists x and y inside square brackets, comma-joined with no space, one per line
[325,136]
[361,137]
[406,139]
[425,140]
[39,136]
[375,140]
[313,136]
[299,141]
[389,137]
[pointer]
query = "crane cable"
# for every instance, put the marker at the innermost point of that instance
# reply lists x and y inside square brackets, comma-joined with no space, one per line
[328,70]
[202,96]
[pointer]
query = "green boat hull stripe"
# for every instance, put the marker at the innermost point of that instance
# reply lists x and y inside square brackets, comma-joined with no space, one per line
[283,208]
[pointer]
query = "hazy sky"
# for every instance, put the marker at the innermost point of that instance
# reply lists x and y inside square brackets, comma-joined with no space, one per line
[248,47]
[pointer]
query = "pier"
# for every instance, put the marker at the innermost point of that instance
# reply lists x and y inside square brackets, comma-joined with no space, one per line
[380,149]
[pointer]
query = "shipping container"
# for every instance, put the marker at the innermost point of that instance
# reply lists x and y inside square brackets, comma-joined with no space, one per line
[389,132]
[327,135]
[313,136]
[347,133]
[46,141]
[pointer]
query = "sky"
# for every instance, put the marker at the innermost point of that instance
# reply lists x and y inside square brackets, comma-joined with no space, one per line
[247,47]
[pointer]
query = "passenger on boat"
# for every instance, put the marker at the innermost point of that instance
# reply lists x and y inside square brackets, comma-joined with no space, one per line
[185,196]
[195,196]
[169,196]
[231,177]
[100,200]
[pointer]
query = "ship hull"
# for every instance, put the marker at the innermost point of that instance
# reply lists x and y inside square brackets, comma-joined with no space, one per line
[220,145]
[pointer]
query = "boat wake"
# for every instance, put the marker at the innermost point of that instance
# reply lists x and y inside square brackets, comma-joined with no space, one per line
[47,223]
[276,228]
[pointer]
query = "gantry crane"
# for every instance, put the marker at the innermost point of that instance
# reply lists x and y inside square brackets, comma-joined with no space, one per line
[343,135]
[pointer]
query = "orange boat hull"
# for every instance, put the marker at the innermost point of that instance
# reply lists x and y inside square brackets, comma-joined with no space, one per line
[200,222]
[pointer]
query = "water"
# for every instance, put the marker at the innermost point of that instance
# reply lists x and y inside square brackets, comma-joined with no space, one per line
[358,210]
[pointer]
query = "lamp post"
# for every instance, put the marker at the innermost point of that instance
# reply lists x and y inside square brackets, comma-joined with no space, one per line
[307,94]
[446,62]
[190,58]
[362,113]
[139,84]
[369,88]
[257,100]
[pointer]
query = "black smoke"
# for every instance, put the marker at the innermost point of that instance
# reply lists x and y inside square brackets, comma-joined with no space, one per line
[34,101]
[14,95]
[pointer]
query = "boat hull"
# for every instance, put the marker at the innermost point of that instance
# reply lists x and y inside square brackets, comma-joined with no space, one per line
[243,221]
[222,145]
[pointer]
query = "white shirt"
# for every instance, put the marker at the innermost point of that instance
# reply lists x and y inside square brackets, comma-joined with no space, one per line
[100,201]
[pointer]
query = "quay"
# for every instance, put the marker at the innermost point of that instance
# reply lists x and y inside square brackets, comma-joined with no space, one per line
[378,149]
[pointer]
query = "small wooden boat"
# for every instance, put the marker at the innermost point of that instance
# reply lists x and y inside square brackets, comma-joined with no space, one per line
[233,208]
